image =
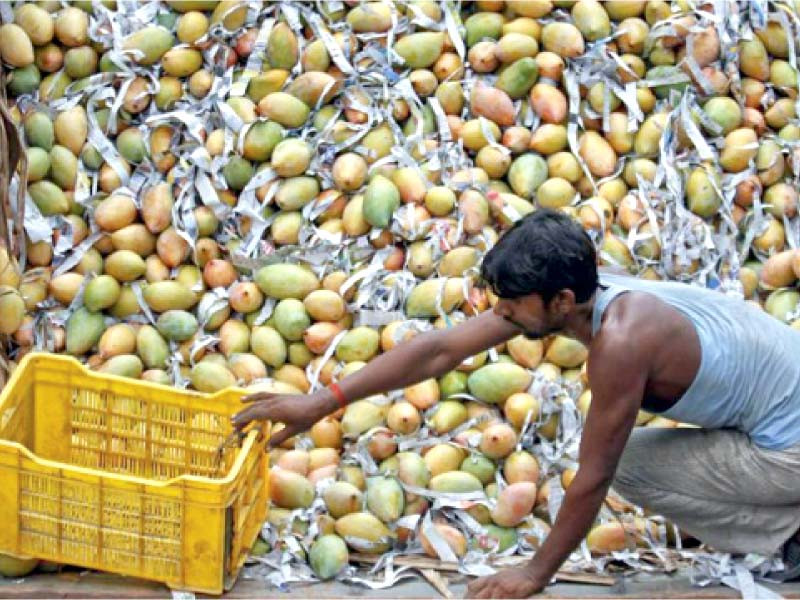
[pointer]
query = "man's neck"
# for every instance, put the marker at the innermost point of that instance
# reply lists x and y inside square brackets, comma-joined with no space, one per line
[579,324]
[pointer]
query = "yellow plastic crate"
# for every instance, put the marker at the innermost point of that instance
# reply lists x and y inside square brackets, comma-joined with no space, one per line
[125,476]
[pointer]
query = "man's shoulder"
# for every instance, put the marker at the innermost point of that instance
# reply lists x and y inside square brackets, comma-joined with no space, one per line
[633,325]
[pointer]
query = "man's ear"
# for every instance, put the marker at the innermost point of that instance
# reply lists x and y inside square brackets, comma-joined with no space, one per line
[563,302]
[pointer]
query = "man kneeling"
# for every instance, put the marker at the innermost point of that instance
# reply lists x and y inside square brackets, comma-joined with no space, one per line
[689,354]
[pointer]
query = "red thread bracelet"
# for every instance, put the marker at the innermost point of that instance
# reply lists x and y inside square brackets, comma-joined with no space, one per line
[337,393]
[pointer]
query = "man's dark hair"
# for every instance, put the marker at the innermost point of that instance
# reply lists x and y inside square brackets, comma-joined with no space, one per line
[543,253]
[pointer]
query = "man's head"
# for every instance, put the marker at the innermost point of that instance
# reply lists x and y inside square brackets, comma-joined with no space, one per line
[541,269]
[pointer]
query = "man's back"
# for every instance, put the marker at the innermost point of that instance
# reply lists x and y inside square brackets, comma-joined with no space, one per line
[749,373]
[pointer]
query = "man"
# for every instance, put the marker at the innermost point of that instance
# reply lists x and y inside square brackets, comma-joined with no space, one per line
[691,354]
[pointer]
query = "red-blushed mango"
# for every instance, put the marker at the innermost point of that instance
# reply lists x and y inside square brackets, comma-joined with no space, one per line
[514,503]
[452,536]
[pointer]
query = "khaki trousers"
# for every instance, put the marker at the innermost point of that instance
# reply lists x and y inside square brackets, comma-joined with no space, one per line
[715,485]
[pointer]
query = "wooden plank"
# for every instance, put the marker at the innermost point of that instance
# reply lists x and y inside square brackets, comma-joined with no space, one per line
[436,580]
[424,562]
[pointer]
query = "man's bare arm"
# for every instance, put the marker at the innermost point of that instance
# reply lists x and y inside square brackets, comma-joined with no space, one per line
[617,391]
[427,355]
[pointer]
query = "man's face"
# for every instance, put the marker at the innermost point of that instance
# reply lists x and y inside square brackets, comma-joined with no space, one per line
[531,315]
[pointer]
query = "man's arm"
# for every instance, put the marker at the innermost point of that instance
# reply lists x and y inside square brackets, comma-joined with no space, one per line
[424,356]
[617,388]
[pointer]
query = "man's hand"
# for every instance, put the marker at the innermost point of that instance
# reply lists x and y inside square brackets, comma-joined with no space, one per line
[298,412]
[511,583]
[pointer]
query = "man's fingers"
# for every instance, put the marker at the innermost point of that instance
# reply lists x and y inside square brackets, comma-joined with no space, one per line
[475,586]
[243,417]
[281,436]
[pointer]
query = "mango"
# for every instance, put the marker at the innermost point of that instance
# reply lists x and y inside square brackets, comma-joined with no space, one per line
[725,112]
[422,301]
[342,498]
[361,416]
[39,130]
[359,344]
[11,566]
[782,303]
[741,145]
[514,503]
[452,536]
[492,103]
[498,440]
[610,537]
[753,59]
[286,281]
[364,532]
[36,22]
[496,382]
[284,109]
[566,352]
[168,295]
[12,310]
[483,25]
[518,78]
[65,287]
[381,199]
[370,17]
[151,347]
[208,376]
[515,45]
[443,458]
[411,469]
[289,489]
[151,43]
[291,319]
[177,325]
[282,48]
[84,329]
[291,157]
[117,339]
[498,539]
[385,498]
[563,39]
[449,415]
[328,556]
[701,194]
[49,198]
[15,46]
[479,466]
[420,50]
[123,365]
[526,174]
[324,305]
[598,154]
[101,292]
[261,139]
[268,345]
[591,19]
[115,212]
[521,466]
[455,482]
[24,80]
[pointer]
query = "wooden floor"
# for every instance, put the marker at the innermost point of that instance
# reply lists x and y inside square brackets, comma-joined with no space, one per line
[76,584]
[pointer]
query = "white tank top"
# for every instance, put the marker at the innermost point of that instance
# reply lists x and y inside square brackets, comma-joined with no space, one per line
[749,376]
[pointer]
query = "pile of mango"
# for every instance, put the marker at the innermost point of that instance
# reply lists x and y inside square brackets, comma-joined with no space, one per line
[228,193]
